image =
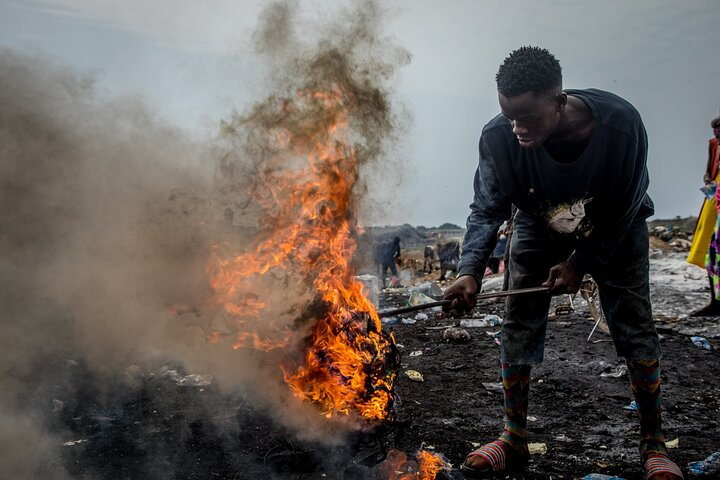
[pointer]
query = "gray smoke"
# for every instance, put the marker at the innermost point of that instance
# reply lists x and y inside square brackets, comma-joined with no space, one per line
[110,217]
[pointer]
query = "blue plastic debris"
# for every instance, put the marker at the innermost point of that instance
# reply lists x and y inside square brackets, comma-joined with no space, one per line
[702,342]
[632,407]
[709,468]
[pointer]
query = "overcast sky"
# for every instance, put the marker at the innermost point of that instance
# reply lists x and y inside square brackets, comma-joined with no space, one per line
[192,62]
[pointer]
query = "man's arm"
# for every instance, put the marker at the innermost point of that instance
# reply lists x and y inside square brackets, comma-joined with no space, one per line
[595,251]
[490,208]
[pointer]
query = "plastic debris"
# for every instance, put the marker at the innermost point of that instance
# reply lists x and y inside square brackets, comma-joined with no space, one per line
[617,372]
[430,289]
[702,342]
[74,442]
[414,375]
[389,320]
[455,334]
[416,353]
[632,407]
[709,468]
[537,448]
[419,298]
[600,476]
[709,190]
[482,321]
[673,443]
[421,317]
[408,321]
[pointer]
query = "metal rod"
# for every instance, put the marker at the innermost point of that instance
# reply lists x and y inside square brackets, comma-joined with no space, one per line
[481,296]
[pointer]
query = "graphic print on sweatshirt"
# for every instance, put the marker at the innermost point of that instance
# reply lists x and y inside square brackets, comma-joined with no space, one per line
[569,218]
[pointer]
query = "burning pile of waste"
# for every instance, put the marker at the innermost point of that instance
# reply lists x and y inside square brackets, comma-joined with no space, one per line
[293,290]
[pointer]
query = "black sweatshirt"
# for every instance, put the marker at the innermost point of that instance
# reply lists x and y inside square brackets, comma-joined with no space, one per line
[594,198]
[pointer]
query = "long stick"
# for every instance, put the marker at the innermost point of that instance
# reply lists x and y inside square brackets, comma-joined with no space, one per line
[481,296]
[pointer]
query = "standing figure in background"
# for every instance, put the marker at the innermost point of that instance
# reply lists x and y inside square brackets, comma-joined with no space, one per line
[385,255]
[497,258]
[703,252]
[449,255]
[429,259]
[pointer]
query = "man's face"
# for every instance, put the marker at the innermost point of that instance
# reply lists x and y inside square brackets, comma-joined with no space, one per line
[533,117]
[716,132]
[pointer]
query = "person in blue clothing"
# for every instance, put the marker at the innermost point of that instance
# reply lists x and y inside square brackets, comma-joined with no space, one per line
[573,163]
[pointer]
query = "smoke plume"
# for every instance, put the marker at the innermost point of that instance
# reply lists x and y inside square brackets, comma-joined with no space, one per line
[110,218]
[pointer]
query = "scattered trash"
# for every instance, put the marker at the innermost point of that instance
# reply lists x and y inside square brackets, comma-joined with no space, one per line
[414,375]
[702,342]
[531,419]
[482,321]
[673,443]
[419,298]
[537,448]
[416,353]
[421,317]
[600,476]
[710,467]
[563,438]
[408,321]
[455,334]
[493,334]
[389,321]
[430,289]
[617,372]
[632,407]
[74,442]
[192,380]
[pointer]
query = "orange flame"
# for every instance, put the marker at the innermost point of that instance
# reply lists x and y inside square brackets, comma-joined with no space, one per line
[397,466]
[429,465]
[308,227]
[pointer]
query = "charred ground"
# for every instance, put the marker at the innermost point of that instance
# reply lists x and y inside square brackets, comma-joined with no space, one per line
[152,425]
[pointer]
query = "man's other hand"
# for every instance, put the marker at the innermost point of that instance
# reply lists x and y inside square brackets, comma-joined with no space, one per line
[463,293]
[563,279]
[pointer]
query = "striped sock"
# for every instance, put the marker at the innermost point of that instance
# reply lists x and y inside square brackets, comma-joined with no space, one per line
[516,386]
[645,383]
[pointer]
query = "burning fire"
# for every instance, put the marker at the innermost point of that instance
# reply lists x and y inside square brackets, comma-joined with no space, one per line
[305,190]
[425,466]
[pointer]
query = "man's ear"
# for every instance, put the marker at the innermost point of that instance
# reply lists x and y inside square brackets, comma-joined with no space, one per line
[560,101]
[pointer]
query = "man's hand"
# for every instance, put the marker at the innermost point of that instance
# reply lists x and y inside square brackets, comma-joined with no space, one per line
[563,279]
[707,179]
[463,293]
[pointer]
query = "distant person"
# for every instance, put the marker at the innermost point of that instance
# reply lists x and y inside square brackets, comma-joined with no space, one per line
[574,162]
[449,255]
[703,251]
[428,259]
[386,256]
[497,257]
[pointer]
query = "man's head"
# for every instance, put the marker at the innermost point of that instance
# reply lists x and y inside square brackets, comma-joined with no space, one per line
[530,92]
[715,124]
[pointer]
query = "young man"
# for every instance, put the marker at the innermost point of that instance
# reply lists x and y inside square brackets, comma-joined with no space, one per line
[573,162]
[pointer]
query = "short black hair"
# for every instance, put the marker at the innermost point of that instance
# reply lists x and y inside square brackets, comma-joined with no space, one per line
[529,69]
[715,123]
